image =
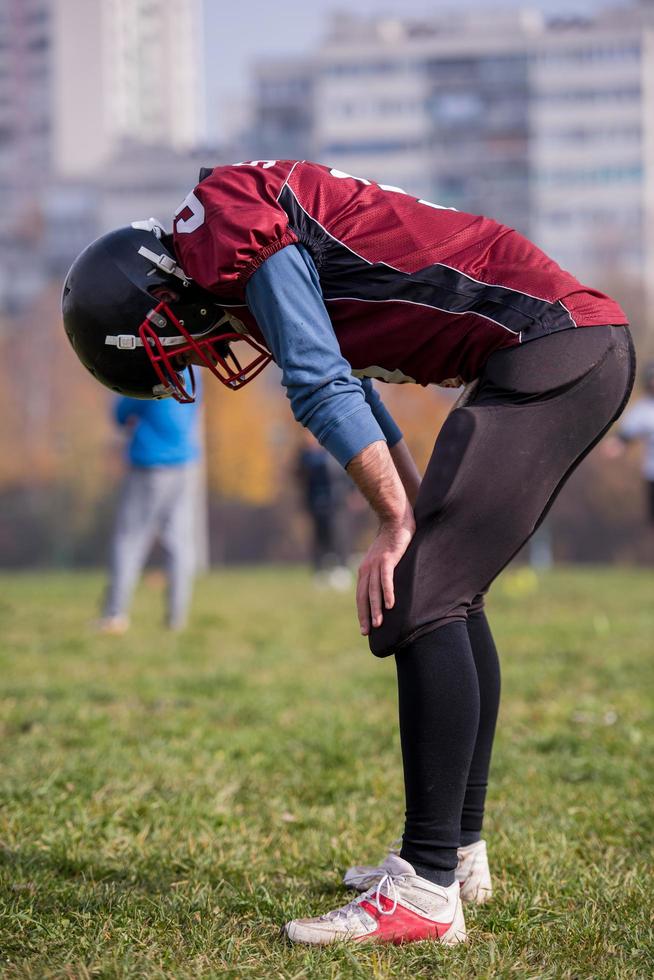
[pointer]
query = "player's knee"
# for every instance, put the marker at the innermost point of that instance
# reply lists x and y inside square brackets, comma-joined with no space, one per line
[396,631]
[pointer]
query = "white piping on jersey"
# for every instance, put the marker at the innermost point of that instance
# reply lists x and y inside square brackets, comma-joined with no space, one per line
[287,180]
[574,322]
[386,264]
[497,285]
[429,306]
[338,240]
[444,265]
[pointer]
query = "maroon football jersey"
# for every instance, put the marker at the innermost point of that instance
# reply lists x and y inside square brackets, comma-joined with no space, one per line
[415,291]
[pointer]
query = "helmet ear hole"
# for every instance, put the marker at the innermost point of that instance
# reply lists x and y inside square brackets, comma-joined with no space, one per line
[164,294]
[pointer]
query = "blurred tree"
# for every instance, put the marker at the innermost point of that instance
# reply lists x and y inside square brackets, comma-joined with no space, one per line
[246,435]
[419,412]
[60,458]
[54,432]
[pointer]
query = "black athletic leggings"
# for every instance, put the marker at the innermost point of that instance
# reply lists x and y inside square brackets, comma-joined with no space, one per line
[497,466]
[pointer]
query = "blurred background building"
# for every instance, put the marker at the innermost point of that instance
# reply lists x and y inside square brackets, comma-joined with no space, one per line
[102,103]
[546,124]
[137,77]
[540,115]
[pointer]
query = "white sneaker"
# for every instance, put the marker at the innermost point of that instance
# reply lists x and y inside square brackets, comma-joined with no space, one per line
[472,873]
[400,908]
[112,625]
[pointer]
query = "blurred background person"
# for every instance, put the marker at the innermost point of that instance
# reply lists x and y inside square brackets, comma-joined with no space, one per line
[326,489]
[157,503]
[638,425]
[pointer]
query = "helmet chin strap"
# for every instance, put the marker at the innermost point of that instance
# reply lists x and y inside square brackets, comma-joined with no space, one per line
[127,341]
[165,263]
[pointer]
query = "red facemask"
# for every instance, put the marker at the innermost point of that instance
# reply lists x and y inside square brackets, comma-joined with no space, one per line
[215,353]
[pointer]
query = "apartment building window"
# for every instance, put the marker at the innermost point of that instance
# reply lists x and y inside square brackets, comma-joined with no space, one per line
[405,107]
[588,134]
[602,217]
[588,175]
[601,53]
[372,146]
[631,93]
[358,68]
[456,107]
[502,70]
[450,68]
[374,108]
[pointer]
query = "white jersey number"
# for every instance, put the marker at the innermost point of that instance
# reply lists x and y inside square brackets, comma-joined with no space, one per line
[184,226]
[266,164]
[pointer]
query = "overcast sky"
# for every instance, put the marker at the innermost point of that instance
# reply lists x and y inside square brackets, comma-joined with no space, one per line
[238,33]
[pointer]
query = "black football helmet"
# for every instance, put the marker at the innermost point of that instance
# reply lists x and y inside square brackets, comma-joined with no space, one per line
[130,311]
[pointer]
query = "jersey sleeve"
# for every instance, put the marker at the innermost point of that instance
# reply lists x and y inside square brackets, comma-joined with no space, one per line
[231,223]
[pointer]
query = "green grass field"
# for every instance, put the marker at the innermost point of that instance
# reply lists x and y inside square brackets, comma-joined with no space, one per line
[168,801]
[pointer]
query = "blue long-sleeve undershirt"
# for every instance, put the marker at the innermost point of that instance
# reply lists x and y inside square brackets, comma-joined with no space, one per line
[343,413]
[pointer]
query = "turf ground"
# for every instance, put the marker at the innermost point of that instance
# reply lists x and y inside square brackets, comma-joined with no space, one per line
[167,802]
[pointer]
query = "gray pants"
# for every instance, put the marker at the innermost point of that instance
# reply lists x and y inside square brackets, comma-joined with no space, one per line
[156,503]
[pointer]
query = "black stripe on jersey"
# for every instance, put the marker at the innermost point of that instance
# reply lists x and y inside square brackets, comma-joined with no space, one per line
[345,274]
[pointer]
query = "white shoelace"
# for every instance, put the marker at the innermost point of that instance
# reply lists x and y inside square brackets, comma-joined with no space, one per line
[389,881]
[373,894]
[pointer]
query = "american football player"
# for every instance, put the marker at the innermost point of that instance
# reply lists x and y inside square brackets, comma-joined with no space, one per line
[340,280]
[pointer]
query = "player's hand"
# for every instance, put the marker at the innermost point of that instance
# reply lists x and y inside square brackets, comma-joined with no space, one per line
[375,591]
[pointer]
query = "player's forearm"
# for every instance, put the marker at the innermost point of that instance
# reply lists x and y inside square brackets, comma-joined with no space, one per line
[407,470]
[376,476]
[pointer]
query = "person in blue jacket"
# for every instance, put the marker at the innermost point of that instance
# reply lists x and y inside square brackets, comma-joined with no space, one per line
[157,502]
